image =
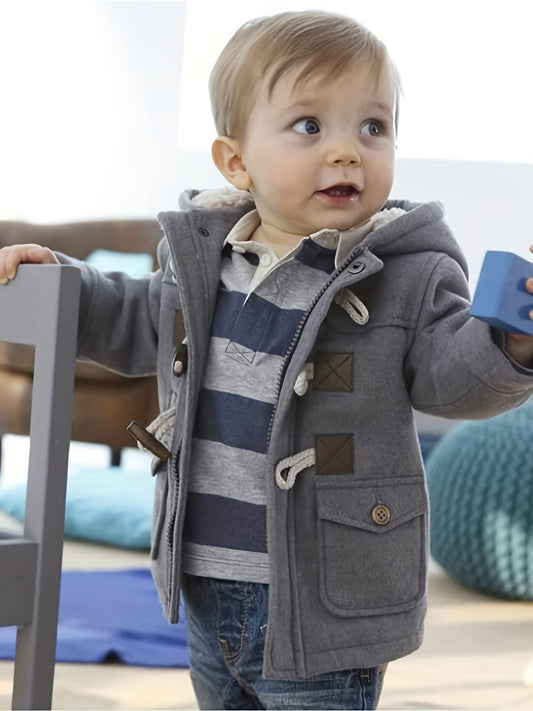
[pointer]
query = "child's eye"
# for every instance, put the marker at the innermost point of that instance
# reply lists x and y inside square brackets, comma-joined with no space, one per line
[307,125]
[372,128]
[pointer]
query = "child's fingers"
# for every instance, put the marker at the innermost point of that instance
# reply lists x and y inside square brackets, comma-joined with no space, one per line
[529,284]
[5,264]
[529,288]
[40,255]
[12,256]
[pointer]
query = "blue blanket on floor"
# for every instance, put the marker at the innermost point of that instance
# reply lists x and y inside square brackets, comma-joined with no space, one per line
[112,615]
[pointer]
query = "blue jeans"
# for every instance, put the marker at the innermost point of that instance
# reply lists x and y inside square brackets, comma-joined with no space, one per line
[226,624]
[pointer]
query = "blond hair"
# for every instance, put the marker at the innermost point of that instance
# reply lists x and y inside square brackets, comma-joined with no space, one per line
[315,41]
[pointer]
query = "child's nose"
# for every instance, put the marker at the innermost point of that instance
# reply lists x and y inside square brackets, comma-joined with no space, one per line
[344,151]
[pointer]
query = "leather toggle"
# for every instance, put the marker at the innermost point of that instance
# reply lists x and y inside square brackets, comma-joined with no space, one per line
[148,441]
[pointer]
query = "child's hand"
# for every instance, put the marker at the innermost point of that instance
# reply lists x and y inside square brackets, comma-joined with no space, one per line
[520,347]
[11,257]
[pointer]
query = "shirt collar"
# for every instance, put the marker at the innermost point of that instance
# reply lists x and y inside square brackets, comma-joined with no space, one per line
[239,236]
[341,241]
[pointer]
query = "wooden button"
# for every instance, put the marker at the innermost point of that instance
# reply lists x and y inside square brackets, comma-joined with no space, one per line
[381,515]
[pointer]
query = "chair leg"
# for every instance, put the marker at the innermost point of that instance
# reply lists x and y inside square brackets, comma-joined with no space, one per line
[116,457]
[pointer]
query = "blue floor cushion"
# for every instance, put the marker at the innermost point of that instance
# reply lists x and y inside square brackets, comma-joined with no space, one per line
[104,505]
[112,616]
[480,481]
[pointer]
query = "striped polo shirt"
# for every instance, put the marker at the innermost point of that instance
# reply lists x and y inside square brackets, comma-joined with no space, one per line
[261,302]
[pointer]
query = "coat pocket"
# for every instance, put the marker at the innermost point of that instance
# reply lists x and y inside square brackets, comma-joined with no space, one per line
[372,544]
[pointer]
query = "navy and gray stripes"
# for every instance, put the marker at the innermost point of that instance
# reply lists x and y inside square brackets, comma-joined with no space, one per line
[233,420]
[259,326]
[225,531]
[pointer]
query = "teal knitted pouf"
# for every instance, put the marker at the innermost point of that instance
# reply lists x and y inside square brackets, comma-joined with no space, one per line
[480,481]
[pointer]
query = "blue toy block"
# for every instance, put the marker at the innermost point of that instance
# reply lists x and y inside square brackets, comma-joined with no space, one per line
[501,298]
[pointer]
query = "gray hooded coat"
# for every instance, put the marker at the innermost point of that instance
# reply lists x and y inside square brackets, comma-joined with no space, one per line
[347,534]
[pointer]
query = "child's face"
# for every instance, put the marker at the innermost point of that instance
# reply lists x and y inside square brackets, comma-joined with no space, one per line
[320,154]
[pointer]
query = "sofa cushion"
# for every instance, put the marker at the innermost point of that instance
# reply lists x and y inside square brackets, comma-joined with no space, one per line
[135,264]
[104,505]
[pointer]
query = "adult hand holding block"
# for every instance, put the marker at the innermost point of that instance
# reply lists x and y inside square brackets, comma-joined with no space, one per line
[502,298]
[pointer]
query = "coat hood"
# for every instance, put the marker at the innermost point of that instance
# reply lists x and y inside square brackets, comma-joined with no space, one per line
[421,227]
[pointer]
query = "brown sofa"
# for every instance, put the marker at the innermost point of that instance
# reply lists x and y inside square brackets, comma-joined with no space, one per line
[104,402]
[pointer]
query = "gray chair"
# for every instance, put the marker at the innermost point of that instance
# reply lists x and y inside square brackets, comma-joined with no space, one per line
[40,308]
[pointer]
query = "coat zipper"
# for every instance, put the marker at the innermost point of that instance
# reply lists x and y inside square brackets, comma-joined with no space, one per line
[296,338]
[170,533]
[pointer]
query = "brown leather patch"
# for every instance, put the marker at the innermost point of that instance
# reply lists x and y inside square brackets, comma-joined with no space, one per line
[333,372]
[334,454]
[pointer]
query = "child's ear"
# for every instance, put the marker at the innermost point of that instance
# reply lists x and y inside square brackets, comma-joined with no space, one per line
[227,156]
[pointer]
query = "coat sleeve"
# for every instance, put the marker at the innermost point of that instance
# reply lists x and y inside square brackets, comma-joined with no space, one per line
[118,319]
[454,367]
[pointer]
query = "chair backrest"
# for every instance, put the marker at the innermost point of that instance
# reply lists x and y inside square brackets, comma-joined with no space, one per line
[40,308]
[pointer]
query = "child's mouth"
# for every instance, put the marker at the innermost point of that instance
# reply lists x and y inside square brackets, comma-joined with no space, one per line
[340,195]
[341,191]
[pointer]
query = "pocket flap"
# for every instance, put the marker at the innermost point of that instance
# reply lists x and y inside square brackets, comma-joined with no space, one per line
[377,506]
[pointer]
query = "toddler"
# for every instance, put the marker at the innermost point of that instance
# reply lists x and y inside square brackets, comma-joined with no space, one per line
[294,323]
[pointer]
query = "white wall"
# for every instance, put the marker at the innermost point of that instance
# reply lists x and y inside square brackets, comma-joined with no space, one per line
[488,205]
[90,104]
